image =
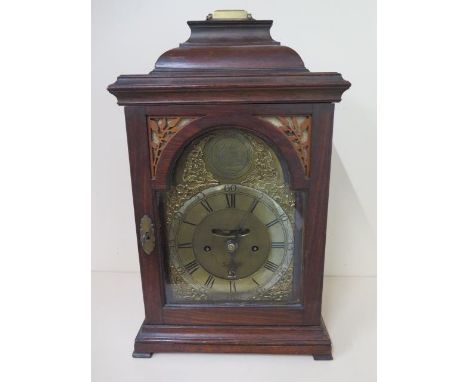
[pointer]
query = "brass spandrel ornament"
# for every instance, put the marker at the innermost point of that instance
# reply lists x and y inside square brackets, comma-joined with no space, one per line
[298,130]
[160,131]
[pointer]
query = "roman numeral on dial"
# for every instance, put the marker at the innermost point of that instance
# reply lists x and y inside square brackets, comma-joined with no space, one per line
[278,244]
[253,205]
[271,266]
[231,200]
[232,287]
[191,267]
[210,281]
[277,220]
[273,222]
[206,206]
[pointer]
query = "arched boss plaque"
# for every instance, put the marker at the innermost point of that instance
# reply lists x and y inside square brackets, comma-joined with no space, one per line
[230,142]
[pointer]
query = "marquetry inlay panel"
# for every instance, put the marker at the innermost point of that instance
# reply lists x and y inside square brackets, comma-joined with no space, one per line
[298,131]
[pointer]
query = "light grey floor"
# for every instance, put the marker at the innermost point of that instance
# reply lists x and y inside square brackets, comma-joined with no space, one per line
[349,311]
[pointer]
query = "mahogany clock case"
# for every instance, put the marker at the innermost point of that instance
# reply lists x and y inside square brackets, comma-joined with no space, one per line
[230,74]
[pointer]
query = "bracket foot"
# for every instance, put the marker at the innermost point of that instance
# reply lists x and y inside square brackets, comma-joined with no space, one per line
[141,355]
[322,357]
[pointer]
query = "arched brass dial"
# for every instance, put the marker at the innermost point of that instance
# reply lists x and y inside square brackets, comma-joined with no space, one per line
[231,241]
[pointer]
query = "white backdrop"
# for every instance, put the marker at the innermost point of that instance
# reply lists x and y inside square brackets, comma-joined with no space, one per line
[127,38]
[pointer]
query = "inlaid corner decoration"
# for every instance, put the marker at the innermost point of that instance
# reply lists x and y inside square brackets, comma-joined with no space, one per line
[298,130]
[161,130]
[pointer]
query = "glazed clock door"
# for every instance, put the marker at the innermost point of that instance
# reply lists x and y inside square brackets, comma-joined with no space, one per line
[232,225]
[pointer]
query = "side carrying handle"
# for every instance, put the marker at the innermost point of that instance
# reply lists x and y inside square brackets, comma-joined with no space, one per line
[147,238]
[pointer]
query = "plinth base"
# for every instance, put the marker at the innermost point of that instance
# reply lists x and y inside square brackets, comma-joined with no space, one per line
[311,340]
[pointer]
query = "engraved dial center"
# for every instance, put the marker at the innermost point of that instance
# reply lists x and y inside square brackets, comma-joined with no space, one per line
[231,233]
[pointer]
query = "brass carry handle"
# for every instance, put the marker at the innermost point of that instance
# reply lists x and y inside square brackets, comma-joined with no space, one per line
[229,14]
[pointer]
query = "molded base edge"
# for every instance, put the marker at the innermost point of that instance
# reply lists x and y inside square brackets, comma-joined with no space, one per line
[310,340]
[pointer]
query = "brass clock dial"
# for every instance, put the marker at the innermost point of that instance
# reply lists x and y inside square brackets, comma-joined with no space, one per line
[231,241]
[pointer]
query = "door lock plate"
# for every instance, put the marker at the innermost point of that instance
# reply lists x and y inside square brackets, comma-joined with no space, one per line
[147,238]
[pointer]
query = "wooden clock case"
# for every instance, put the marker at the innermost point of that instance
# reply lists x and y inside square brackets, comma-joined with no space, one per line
[230,73]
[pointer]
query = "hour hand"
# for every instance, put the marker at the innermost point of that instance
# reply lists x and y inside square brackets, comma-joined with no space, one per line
[230,232]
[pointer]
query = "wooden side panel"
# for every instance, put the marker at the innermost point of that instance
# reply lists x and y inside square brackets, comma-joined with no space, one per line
[150,264]
[317,208]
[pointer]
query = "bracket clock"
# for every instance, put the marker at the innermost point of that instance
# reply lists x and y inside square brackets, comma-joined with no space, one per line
[230,139]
